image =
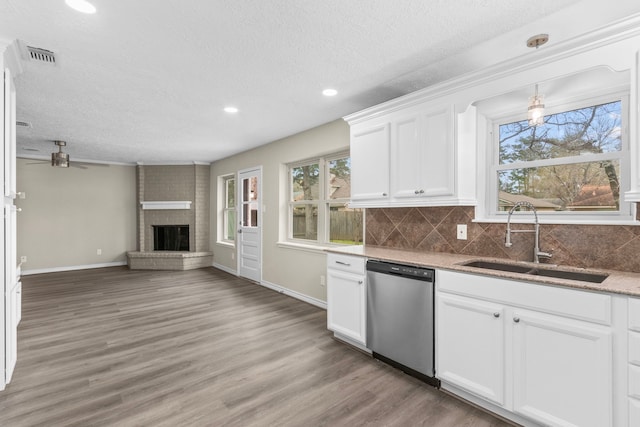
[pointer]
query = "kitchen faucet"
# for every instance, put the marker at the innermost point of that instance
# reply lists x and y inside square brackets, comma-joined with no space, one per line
[536,249]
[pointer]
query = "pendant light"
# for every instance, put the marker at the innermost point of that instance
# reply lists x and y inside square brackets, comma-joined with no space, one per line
[535,111]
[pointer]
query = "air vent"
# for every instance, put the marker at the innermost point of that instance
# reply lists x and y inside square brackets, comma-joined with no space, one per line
[23,124]
[42,55]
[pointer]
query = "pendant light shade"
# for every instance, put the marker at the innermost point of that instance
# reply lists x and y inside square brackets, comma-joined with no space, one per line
[535,112]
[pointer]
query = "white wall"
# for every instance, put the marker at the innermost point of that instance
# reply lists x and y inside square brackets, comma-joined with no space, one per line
[294,269]
[70,213]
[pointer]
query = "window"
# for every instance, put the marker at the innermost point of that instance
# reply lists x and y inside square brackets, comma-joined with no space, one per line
[318,202]
[574,166]
[229,209]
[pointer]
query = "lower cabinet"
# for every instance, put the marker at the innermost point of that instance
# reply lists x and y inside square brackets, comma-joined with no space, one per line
[471,336]
[346,297]
[562,370]
[546,366]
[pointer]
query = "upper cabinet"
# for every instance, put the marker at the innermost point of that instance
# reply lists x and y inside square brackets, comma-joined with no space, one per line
[405,157]
[421,157]
[370,163]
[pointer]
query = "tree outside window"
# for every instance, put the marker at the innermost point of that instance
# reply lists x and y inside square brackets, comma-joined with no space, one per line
[319,196]
[229,212]
[570,163]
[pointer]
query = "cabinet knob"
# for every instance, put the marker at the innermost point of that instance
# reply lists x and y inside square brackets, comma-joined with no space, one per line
[496,314]
[516,319]
[417,192]
[384,194]
[360,282]
[421,191]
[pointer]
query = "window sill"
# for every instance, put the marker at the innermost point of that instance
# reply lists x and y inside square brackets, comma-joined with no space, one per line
[318,248]
[226,244]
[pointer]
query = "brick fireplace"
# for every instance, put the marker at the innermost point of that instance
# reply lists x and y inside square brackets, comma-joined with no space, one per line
[172,196]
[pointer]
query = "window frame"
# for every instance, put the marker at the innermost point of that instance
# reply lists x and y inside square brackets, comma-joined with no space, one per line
[626,213]
[323,202]
[223,214]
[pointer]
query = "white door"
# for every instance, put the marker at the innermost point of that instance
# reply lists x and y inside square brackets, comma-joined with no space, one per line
[346,305]
[471,345]
[555,356]
[370,163]
[250,224]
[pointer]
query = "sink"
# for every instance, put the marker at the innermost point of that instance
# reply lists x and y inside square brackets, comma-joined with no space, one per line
[582,276]
[489,265]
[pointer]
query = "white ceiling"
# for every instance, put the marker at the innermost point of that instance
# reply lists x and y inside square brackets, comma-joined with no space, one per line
[147,80]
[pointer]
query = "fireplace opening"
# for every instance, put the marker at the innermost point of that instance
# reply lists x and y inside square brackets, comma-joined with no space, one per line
[171,238]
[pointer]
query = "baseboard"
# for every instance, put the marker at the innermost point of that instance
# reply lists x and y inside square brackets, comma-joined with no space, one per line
[294,294]
[71,268]
[224,268]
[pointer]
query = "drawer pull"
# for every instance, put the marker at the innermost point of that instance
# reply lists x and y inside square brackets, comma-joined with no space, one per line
[516,319]
[496,315]
[343,263]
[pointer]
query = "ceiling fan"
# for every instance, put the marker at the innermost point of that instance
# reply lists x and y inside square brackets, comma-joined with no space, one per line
[60,159]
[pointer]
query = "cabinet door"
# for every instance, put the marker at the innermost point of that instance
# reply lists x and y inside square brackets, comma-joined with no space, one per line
[470,345]
[438,168]
[562,370]
[406,157]
[346,305]
[370,163]
[422,155]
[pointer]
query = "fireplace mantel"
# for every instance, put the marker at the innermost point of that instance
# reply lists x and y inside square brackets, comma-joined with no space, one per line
[166,205]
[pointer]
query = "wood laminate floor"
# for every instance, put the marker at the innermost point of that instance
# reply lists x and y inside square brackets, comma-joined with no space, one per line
[120,347]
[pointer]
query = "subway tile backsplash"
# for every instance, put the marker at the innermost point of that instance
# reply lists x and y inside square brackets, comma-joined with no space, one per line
[615,247]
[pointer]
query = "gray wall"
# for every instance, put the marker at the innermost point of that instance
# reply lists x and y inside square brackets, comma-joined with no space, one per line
[70,213]
[298,270]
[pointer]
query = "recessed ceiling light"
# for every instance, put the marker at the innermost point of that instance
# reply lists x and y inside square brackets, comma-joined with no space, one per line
[329,92]
[81,6]
[231,109]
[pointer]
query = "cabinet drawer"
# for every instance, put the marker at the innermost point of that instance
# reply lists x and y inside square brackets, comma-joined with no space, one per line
[634,348]
[634,314]
[634,381]
[581,305]
[634,412]
[348,263]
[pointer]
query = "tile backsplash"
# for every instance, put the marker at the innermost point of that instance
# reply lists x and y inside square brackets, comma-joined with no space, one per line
[614,247]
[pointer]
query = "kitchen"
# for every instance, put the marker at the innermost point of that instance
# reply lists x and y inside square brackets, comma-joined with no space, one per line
[306,265]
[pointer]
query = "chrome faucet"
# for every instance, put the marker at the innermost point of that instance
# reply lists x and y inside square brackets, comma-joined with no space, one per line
[536,249]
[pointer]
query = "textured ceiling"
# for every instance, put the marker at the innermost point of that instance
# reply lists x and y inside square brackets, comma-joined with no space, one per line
[147,80]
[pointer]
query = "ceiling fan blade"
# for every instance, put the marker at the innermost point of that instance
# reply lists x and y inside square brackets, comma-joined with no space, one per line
[87,164]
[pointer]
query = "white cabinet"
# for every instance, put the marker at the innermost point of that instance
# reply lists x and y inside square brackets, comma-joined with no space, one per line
[471,345]
[633,359]
[346,297]
[422,163]
[539,352]
[370,163]
[562,370]
[404,157]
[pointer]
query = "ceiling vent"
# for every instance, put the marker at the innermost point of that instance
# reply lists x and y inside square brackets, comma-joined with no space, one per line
[30,53]
[42,55]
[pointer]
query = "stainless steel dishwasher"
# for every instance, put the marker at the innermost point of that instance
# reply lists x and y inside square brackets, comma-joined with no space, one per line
[400,317]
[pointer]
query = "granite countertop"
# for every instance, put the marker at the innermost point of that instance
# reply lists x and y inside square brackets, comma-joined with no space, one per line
[619,282]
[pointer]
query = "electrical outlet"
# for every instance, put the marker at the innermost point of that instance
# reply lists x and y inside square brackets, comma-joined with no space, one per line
[23,258]
[99,252]
[323,280]
[462,232]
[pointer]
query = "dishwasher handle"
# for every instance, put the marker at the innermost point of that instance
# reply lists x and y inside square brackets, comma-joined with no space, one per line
[413,272]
